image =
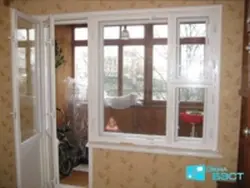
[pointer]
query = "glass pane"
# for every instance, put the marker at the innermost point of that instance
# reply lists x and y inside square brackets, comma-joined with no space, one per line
[77,110]
[191,95]
[189,29]
[110,71]
[191,63]
[26,67]
[191,111]
[135,31]
[32,56]
[133,70]
[81,33]
[22,35]
[22,57]
[31,34]
[159,72]
[124,109]
[81,65]
[22,70]
[112,32]
[160,31]
[192,50]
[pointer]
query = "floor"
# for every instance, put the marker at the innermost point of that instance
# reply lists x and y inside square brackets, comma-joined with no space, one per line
[79,177]
[71,186]
[82,167]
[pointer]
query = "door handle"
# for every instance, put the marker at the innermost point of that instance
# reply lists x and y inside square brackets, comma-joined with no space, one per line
[246,132]
[247,48]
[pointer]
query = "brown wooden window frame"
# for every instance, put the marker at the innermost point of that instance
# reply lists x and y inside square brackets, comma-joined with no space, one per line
[148,42]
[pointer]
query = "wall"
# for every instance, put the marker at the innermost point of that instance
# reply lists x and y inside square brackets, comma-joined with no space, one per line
[63,35]
[113,169]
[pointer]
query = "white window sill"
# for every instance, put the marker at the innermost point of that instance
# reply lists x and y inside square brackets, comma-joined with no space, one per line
[152,149]
[69,186]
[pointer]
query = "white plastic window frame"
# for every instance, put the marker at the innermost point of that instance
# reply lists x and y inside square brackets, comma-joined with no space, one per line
[96,108]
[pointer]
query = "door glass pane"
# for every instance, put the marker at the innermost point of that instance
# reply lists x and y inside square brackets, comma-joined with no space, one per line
[77,100]
[81,65]
[26,74]
[190,111]
[22,69]
[22,34]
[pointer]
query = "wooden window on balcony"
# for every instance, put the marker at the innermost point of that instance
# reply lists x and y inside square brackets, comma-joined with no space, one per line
[148,46]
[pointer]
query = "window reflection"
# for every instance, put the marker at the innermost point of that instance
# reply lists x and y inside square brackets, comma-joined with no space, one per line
[26,74]
[22,70]
[81,65]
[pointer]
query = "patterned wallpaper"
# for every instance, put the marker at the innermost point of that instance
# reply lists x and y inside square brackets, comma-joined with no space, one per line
[116,169]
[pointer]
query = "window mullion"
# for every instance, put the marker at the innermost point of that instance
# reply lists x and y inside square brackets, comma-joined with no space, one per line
[73,50]
[148,64]
[208,132]
[120,70]
[172,62]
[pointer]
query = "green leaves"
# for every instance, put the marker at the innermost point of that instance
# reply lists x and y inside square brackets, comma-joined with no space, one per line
[59,58]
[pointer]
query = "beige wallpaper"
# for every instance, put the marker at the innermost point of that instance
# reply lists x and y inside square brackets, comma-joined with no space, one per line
[114,169]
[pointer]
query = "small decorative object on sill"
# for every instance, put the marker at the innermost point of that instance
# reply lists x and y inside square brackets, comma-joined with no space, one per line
[59,58]
[192,117]
[112,125]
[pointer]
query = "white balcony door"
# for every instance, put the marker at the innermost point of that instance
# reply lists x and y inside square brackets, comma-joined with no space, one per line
[33,79]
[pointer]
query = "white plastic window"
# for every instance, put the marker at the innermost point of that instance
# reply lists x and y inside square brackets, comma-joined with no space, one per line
[165,78]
